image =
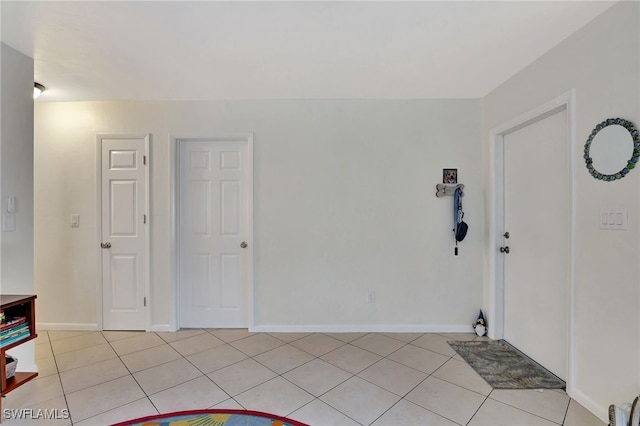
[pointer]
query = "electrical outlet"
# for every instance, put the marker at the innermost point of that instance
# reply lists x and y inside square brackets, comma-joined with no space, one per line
[371,297]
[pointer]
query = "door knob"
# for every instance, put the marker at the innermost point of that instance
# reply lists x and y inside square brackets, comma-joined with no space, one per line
[105,245]
[244,244]
[504,249]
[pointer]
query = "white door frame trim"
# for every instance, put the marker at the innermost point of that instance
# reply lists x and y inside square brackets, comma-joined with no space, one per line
[495,314]
[147,242]
[174,175]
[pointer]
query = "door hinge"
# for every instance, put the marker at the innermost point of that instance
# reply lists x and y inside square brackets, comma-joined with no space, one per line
[144,299]
[144,218]
[144,160]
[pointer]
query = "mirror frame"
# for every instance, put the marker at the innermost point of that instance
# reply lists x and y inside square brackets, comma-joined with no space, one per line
[631,163]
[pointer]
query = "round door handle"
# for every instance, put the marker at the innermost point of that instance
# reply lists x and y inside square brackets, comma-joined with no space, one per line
[105,245]
[244,244]
[504,249]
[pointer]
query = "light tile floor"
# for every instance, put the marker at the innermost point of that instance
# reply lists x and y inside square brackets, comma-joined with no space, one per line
[318,378]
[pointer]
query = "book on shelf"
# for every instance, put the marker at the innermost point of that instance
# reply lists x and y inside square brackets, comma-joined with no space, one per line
[4,325]
[13,331]
[14,339]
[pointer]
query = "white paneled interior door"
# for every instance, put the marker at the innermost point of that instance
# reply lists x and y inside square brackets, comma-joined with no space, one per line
[124,177]
[214,232]
[537,267]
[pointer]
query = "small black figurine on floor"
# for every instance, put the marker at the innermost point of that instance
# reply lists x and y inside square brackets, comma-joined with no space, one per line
[480,326]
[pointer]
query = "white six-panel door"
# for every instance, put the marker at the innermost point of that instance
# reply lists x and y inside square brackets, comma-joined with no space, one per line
[214,232]
[123,231]
[537,268]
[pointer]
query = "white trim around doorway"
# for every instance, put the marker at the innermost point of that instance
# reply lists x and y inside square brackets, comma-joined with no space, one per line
[147,208]
[174,140]
[495,311]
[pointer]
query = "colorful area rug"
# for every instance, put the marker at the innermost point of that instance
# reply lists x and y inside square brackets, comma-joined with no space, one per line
[213,418]
[504,367]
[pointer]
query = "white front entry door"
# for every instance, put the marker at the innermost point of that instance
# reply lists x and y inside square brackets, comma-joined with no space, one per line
[124,231]
[537,269]
[215,230]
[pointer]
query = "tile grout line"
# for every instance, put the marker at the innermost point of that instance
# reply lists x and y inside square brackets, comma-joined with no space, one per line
[478,409]
[55,361]
[205,374]
[357,374]
[566,413]
[225,343]
[403,398]
[275,372]
[191,363]
[383,357]
[285,344]
[528,412]
[130,374]
[202,372]
[315,357]
[278,374]
[108,342]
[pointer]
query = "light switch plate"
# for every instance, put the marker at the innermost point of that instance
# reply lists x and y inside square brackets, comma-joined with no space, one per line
[613,219]
[75,220]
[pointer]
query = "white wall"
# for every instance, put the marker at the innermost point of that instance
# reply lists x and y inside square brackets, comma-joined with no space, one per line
[602,63]
[344,203]
[16,178]
[1,47]
[17,169]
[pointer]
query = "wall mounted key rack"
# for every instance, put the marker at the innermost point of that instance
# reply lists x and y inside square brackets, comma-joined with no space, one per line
[444,189]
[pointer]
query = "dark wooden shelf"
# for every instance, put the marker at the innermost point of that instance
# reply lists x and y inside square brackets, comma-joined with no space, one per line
[18,380]
[19,342]
[17,305]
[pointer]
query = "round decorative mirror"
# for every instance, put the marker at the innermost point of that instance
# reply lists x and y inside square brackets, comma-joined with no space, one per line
[612,149]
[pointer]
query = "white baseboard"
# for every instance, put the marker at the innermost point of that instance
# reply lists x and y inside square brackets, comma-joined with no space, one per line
[66,326]
[596,409]
[161,328]
[364,328]
[90,327]
[337,328]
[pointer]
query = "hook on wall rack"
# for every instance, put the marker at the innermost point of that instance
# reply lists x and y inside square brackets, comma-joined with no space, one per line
[444,189]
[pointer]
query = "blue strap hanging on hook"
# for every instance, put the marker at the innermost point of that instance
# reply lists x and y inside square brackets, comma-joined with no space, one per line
[459,226]
[457,208]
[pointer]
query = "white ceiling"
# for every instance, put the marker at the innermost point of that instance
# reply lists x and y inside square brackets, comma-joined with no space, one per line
[87,50]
